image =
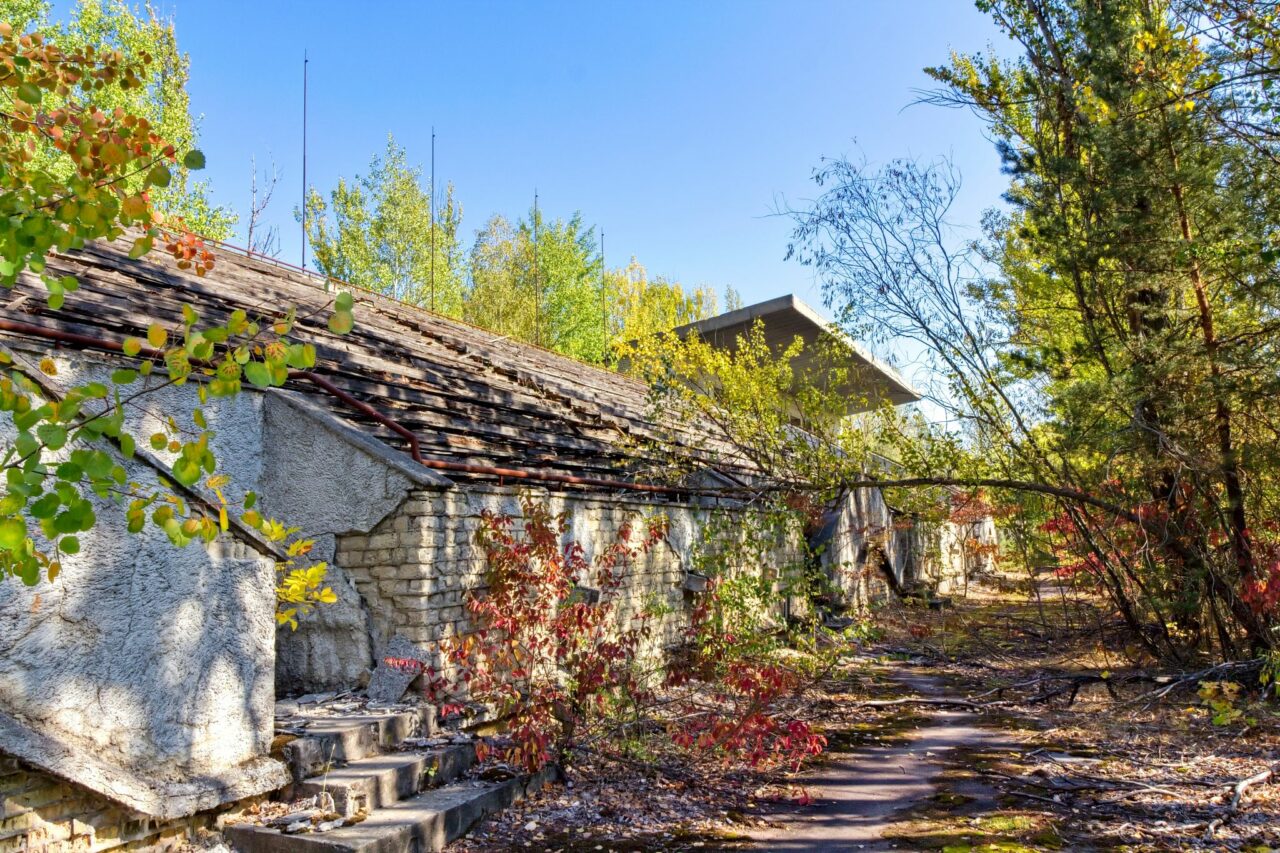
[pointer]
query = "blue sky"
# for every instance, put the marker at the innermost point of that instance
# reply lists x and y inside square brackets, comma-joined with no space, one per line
[674,126]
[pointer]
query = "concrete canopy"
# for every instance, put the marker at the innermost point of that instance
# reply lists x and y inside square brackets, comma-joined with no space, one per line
[788,317]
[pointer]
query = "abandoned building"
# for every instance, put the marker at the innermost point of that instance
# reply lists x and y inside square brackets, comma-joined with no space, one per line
[141,691]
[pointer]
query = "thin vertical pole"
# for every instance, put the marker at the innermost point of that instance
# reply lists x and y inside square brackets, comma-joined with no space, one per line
[304,159]
[604,310]
[433,217]
[537,286]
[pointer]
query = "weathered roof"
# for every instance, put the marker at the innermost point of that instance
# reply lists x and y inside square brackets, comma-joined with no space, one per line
[467,394]
[787,317]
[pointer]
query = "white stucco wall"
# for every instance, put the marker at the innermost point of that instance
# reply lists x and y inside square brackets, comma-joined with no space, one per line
[330,481]
[145,671]
[149,673]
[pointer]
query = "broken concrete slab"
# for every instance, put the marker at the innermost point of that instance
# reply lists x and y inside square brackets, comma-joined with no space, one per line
[396,670]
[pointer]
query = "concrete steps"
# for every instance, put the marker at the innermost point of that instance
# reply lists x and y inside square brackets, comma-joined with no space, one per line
[426,822]
[412,797]
[377,781]
[327,740]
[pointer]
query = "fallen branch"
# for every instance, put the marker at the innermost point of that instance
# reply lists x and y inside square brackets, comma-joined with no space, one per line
[1245,784]
[1143,789]
[1237,793]
[1194,678]
[1037,797]
[1073,682]
[967,704]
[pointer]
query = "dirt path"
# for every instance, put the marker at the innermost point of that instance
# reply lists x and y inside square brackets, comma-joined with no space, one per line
[863,795]
[1027,773]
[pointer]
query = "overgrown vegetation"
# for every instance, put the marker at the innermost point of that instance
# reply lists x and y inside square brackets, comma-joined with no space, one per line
[78,163]
[1104,353]
[561,653]
[1019,709]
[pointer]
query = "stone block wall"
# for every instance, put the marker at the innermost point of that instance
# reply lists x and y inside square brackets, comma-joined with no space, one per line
[40,813]
[414,569]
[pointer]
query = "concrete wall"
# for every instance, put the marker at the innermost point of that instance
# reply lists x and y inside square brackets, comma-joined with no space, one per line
[858,545]
[952,553]
[144,671]
[868,550]
[330,481]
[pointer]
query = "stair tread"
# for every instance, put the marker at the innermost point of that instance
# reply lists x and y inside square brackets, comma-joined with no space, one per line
[321,740]
[372,765]
[315,724]
[448,758]
[413,810]
[379,781]
[422,822]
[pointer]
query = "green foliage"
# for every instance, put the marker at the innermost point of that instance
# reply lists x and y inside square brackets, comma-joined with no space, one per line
[556,297]
[1269,676]
[641,307]
[376,232]
[544,290]
[783,413]
[71,444]
[160,97]
[73,170]
[745,608]
[1111,336]
[1138,214]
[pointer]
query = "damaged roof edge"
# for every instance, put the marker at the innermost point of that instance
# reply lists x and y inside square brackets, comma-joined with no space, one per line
[386,454]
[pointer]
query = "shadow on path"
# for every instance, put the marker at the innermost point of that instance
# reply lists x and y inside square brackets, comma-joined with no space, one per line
[859,795]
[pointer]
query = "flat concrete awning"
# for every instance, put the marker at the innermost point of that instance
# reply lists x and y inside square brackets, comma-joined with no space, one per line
[787,317]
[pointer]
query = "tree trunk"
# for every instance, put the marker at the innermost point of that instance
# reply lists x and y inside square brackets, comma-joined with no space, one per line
[1228,463]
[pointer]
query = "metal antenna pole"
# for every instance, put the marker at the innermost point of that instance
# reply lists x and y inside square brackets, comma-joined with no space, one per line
[537,286]
[433,217]
[604,310]
[304,159]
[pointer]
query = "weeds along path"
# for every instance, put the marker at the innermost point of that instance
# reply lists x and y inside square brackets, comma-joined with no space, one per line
[1039,730]
[1079,743]
[872,796]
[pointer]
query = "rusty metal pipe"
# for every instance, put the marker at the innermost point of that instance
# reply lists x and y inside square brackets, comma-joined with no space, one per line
[364,408]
